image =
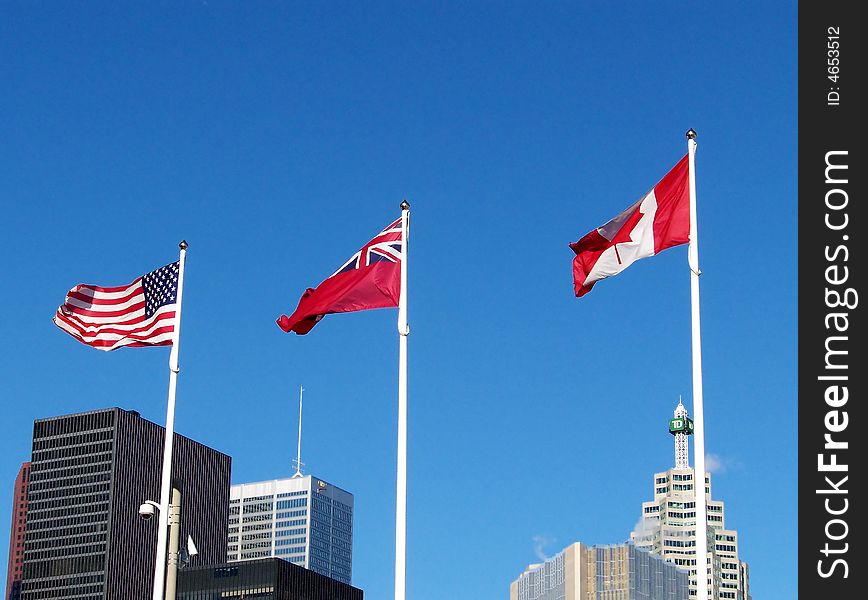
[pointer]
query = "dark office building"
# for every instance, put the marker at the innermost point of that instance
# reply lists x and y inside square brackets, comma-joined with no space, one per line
[89,474]
[16,535]
[263,579]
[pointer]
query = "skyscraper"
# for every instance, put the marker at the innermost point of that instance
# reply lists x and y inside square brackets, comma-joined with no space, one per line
[302,519]
[611,572]
[16,534]
[89,474]
[667,526]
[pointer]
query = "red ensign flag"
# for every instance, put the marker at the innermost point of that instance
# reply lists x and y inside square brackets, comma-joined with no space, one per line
[659,220]
[371,278]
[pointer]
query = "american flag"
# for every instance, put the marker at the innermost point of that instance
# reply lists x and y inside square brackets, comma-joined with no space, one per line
[139,314]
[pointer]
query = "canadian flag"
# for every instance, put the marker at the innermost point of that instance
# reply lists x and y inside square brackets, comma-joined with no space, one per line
[659,220]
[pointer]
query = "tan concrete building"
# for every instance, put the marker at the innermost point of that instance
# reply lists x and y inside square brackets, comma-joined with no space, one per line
[667,526]
[613,572]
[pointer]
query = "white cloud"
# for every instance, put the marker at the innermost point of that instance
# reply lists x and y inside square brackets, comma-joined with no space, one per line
[539,545]
[642,527]
[715,464]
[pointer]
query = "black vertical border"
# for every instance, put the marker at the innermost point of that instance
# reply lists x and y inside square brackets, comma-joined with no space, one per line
[826,126]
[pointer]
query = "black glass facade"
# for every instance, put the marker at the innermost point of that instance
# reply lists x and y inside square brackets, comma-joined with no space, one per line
[262,579]
[90,472]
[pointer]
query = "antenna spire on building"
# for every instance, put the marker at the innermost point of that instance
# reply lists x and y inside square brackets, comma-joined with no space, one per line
[297,461]
[681,426]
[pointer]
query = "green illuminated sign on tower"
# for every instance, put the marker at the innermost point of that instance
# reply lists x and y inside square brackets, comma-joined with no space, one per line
[681,425]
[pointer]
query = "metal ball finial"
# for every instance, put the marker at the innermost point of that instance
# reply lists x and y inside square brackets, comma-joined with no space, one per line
[691,134]
[405,205]
[183,245]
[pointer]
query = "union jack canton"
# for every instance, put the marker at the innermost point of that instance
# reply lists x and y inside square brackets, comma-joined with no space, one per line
[385,247]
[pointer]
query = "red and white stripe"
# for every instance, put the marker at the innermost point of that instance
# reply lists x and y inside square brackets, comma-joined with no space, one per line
[112,317]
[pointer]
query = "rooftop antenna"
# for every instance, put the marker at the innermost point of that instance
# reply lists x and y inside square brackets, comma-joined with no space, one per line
[298,463]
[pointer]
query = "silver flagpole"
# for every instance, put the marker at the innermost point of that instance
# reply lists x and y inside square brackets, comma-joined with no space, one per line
[401,502]
[166,484]
[699,421]
[298,459]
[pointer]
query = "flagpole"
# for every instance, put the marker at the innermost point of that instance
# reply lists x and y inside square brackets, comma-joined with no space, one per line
[166,483]
[298,459]
[401,502]
[698,416]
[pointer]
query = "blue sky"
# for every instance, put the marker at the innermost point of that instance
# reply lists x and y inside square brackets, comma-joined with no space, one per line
[277,138]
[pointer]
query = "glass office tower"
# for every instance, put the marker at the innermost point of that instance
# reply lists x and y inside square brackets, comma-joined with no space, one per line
[302,519]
